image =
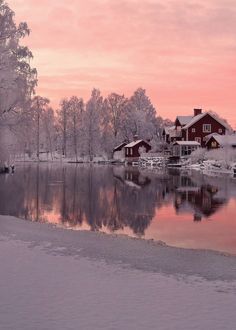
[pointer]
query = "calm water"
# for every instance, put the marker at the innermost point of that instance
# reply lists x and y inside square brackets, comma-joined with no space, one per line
[184,209]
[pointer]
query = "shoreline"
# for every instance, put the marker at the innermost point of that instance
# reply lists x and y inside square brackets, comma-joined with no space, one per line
[140,254]
[193,167]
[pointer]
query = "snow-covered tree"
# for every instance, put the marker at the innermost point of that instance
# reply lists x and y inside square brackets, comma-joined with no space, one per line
[114,108]
[49,130]
[92,127]
[17,78]
[39,106]
[140,116]
[62,116]
[70,122]
[75,119]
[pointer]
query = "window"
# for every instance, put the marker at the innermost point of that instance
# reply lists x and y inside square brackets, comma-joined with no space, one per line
[198,139]
[213,144]
[206,128]
[193,130]
[131,151]
[220,130]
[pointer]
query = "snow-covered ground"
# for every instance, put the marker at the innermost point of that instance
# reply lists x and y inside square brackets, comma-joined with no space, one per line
[57,279]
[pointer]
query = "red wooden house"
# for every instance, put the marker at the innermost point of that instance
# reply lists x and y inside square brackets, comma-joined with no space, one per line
[197,127]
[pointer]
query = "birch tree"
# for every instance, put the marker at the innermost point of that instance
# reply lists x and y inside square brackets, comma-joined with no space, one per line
[75,113]
[140,116]
[49,129]
[114,106]
[38,107]
[92,125]
[17,78]
[62,115]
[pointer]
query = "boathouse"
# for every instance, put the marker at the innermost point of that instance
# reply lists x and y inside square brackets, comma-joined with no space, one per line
[134,149]
[184,148]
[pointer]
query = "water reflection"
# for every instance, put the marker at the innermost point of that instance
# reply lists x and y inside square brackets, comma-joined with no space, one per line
[110,198]
[198,197]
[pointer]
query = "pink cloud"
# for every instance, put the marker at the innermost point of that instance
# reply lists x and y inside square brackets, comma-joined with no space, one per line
[183,53]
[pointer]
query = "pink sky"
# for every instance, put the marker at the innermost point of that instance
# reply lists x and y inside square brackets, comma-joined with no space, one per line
[182,52]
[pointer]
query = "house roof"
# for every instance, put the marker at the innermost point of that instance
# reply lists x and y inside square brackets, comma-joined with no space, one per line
[200,116]
[120,146]
[184,120]
[187,143]
[167,129]
[134,143]
[175,133]
[171,131]
[225,140]
[194,120]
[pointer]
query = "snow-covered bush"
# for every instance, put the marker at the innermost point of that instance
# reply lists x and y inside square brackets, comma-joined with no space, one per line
[223,158]
[198,156]
[226,155]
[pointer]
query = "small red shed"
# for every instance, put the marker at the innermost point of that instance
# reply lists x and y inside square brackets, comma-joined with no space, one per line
[134,149]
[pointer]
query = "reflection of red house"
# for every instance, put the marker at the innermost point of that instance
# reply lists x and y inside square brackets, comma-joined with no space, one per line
[201,201]
[134,149]
[195,128]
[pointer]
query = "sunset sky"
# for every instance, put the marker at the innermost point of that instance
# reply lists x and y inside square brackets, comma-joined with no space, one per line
[182,52]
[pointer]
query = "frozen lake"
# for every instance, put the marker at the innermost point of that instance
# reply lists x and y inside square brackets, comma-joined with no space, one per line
[186,209]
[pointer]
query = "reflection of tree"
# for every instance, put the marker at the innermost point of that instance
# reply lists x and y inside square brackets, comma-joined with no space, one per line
[105,197]
[135,199]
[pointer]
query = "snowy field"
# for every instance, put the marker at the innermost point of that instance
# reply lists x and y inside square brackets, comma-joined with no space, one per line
[57,279]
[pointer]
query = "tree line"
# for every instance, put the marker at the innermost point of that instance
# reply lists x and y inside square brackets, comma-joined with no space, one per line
[29,125]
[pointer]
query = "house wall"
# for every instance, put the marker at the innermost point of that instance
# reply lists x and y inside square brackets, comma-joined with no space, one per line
[119,155]
[198,127]
[176,150]
[184,135]
[135,150]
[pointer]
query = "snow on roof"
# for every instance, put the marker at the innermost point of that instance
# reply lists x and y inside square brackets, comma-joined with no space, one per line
[168,129]
[119,146]
[132,144]
[187,143]
[224,140]
[184,120]
[175,133]
[200,116]
[194,120]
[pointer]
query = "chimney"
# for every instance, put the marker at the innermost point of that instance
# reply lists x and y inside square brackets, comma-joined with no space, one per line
[197,112]
[136,137]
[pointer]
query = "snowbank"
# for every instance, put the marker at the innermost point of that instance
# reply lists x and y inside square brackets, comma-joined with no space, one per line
[218,160]
[56,279]
[135,253]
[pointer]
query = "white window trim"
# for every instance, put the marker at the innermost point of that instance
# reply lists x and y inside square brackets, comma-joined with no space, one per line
[198,139]
[206,130]
[193,130]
